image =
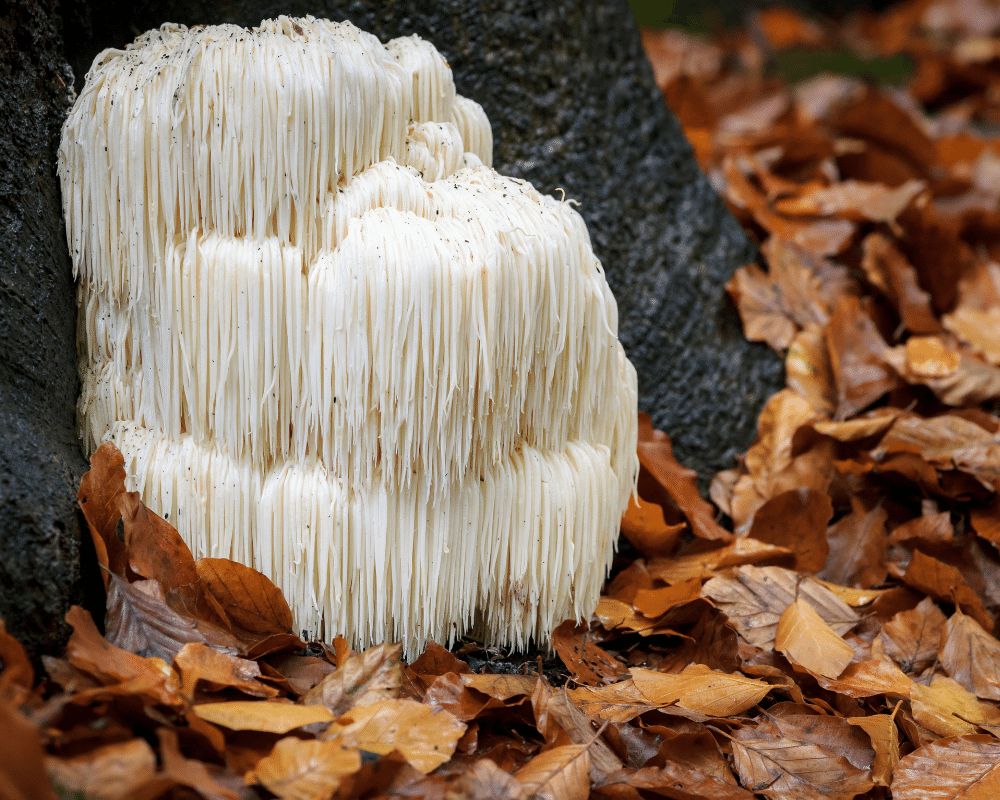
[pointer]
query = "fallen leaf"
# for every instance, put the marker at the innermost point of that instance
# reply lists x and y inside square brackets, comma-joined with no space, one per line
[971,656]
[17,677]
[755,598]
[301,672]
[619,702]
[427,739]
[193,773]
[705,563]
[700,689]
[486,780]
[267,717]
[965,767]
[853,200]
[22,769]
[807,641]
[113,772]
[673,780]
[944,582]
[557,774]
[653,603]
[857,358]
[912,637]
[947,709]
[363,679]
[781,768]
[305,769]
[808,372]
[888,269]
[796,520]
[643,524]
[100,489]
[587,663]
[200,664]
[248,597]
[884,735]
[857,545]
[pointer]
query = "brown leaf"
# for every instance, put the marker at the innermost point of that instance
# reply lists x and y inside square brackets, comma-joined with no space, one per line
[796,520]
[587,663]
[22,771]
[889,270]
[191,773]
[100,489]
[484,780]
[437,660]
[959,767]
[700,563]
[912,637]
[754,599]
[986,521]
[853,200]
[884,736]
[971,656]
[301,672]
[857,549]
[944,582]
[956,377]
[17,677]
[644,526]
[426,738]
[248,597]
[701,689]
[557,774]
[112,772]
[675,781]
[199,663]
[156,551]
[857,358]
[619,702]
[139,620]
[931,528]
[947,709]
[502,687]
[653,603]
[807,641]
[657,456]
[87,650]
[779,767]
[877,676]
[298,769]
[267,717]
[808,372]
[364,678]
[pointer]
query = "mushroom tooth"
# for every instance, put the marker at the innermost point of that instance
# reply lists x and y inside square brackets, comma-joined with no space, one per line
[474,128]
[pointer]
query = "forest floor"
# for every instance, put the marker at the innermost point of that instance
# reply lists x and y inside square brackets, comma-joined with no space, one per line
[823,628]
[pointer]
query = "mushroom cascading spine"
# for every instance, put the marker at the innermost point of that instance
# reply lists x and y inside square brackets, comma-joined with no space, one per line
[333,343]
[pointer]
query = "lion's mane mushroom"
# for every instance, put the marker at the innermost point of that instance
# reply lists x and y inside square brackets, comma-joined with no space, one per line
[333,343]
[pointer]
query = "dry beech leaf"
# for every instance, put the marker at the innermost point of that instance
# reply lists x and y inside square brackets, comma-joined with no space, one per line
[619,702]
[888,269]
[808,372]
[700,689]
[484,780]
[977,328]
[561,773]
[957,768]
[502,687]
[266,717]
[698,563]
[112,772]
[87,650]
[193,773]
[857,358]
[854,200]
[587,663]
[807,641]
[653,603]
[986,521]
[657,456]
[644,526]
[943,582]
[877,676]
[912,637]
[199,663]
[248,597]
[857,545]
[854,597]
[17,676]
[947,709]
[971,656]
[363,679]
[301,672]
[139,620]
[754,598]
[673,780]
[22,769]
[797,521]
[426,738]
[305,769]
[884,735]
[100,488]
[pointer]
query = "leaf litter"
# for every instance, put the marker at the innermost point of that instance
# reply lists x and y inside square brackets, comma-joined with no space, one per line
[825,627]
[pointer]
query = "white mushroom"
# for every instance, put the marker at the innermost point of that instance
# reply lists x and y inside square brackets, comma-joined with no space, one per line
[334,344]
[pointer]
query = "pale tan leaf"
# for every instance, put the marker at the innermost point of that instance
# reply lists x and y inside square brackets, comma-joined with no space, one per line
[112,772]
[561,773]
[808,372]
[754,598]
[807,641]
[363,679]
[687,566]
[427,738]
[971,656]
[305,769]
[484,780]
[618,702]
[701,689]
[947,709]
[978,328]
[268,717]
[199,663]
[884,735]
[500,686]
[855,598]
[959,768]
[879,675]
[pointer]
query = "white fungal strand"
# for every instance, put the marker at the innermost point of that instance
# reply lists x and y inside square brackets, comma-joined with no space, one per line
[333,343]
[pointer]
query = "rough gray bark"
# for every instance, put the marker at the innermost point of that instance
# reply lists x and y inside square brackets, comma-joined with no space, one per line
[40,462]
[574,106]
